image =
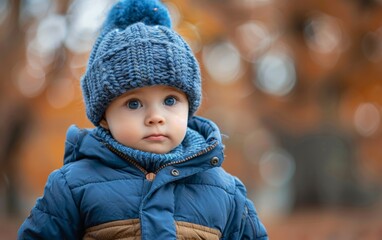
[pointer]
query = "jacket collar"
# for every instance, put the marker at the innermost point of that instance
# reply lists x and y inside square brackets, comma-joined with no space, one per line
[96,143]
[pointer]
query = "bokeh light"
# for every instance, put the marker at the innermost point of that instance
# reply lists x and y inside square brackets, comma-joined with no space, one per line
[253,38]
[367,119]
[176,17]
[277,167]
[36,57]
[223,62]
[51,33]
[30,81]
[275,73]
[324,37]
[323,33]
[36,8]
[85,17]
[276,196]
[191,35]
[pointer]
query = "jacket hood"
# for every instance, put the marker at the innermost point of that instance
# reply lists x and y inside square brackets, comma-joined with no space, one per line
[95,144]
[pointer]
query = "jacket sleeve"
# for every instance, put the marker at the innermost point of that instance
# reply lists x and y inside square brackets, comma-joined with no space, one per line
[245,223]
[252,226]
[55,215]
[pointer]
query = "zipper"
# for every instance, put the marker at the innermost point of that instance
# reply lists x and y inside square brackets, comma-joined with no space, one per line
[127,158]
[206,150]
[150,176]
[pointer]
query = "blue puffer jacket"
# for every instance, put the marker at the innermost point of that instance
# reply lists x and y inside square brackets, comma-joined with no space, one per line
[104,191]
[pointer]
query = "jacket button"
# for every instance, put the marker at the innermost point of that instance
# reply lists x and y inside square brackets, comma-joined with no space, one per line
[214,161]
[175,172]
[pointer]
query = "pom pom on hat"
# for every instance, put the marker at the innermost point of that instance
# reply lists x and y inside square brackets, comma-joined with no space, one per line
[127,12]
[137,48]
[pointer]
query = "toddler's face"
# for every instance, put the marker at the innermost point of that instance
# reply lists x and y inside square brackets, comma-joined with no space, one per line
[152,119]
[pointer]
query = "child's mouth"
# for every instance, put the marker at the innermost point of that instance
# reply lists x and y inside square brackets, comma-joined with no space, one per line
[156,137]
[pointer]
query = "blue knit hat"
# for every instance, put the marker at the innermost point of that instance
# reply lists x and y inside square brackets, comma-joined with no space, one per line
[136,48]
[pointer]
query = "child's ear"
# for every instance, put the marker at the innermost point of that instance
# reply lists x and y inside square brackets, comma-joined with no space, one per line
[103,123]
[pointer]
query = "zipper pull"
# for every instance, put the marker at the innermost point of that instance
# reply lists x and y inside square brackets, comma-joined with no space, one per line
[150,176]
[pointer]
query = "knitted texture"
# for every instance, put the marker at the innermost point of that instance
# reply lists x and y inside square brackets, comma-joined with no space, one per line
[137,48]
[193,143]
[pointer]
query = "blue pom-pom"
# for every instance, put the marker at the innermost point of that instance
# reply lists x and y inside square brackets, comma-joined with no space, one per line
[127,12]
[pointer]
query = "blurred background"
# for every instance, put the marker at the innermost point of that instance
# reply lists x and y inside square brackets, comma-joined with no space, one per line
[295,87]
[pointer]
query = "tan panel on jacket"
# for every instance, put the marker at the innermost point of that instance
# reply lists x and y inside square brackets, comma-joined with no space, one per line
[123,229]
[186,230]
[131,230]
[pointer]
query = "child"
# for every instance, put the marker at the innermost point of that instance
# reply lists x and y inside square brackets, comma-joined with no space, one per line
[150,169]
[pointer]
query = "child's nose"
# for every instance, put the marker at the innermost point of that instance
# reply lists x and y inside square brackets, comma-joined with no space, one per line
[154,117]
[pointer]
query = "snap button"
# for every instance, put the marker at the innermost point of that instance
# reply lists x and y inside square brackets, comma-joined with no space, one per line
[214,161]
[175,172]
[150,176]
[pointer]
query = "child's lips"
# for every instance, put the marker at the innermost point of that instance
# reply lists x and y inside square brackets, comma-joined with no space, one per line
[156,137]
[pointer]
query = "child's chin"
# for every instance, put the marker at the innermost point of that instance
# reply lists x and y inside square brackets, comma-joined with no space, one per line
[157,150]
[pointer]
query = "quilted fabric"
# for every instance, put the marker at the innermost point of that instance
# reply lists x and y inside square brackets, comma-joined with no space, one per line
[99,187]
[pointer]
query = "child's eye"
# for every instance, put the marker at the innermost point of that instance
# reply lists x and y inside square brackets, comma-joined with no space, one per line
[169,101]
[134,104]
